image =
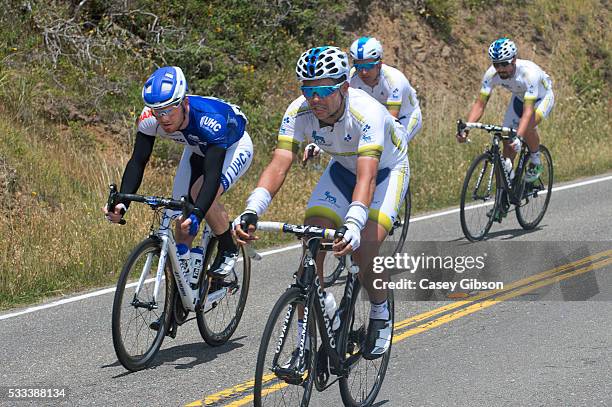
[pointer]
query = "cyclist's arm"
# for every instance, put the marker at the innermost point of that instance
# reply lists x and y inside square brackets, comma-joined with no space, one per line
[273,177]
[478,109]
[134,170]
[213,166]
[394,111]
[367,168]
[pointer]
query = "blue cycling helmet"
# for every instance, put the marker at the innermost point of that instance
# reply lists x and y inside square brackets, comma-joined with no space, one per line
[366,48]
[322,62]
[501,50]
[167,86]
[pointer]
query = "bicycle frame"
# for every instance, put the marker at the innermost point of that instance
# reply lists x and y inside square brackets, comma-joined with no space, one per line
[513,187]
[310,285]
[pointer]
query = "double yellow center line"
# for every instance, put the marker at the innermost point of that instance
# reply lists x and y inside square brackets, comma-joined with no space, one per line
[242,393]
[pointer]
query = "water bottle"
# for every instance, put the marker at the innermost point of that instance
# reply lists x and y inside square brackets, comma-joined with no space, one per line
[183,256]
[330,310]
[196,264]
[508,167]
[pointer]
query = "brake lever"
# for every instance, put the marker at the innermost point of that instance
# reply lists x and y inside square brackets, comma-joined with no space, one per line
[112,202]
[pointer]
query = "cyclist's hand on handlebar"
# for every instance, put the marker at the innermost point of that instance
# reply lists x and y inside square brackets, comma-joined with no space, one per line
[311,151]
[245,226]
[350,240]
[116,215]
[462,136]
[515,143]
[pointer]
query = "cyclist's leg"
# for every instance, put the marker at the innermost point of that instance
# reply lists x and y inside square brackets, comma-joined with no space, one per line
[238,159]
[542,109]
[384,208]
[512,119]
[327,207]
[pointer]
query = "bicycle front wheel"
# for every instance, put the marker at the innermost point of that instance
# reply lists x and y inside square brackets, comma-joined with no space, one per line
[536,195]
[479,198]
[139,321]
[364,381]
[225,301]
[278,380]
[400,226]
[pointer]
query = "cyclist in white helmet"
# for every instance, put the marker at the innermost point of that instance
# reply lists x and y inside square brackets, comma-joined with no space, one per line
[532,100]
[384,83]
[217,152]
[362,186]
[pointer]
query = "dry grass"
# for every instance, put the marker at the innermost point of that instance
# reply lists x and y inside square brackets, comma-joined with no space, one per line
[55,239]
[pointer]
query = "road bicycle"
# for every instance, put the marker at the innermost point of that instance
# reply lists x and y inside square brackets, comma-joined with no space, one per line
[487,184]
[153,297]
[279,383]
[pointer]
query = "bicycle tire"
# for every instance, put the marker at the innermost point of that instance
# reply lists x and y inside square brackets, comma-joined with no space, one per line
[213,329]
[403,219]
[128,357]
[531,191]
[330,279]
[355,332]
[470,234]
[268,387]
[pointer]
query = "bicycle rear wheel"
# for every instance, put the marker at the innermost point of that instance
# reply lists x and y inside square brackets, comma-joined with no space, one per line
[274,384]
[536,195]
[225,300]
[135,340]
[365,378]
[480,190]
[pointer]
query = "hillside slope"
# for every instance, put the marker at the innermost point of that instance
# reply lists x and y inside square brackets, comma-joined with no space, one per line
[70,90]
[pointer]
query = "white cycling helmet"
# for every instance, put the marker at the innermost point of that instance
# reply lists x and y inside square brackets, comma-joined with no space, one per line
[366,48]
[165,87]
[501,50]
[322,62]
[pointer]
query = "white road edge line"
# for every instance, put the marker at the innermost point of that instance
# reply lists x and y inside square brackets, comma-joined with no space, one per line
[274,251]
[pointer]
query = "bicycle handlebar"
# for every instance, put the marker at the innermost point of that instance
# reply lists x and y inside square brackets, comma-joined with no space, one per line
[155,202]
[299,230]
[490,128]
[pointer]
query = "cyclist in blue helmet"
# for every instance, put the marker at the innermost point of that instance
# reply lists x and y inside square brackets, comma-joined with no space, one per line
[218,151]
[532,100]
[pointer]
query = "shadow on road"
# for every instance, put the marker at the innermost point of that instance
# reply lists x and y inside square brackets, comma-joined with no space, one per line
[194,353]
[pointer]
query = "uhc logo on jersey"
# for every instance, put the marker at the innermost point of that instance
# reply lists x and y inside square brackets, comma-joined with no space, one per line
[211,123]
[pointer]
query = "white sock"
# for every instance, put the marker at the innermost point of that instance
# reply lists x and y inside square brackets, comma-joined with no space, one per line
[535,157]
[379,311]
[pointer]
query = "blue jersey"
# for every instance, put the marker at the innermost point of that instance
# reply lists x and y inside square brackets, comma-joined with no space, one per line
[212,121]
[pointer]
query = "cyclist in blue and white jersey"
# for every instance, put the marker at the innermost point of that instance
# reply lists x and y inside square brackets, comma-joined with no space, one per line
[364,183]
[384,83]
[532,100]
[217,152]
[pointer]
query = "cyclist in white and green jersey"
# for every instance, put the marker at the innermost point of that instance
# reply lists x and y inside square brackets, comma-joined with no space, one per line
[532,100]
[384,83]
[364,183]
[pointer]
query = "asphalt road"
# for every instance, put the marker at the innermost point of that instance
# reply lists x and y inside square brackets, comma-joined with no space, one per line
[539,342]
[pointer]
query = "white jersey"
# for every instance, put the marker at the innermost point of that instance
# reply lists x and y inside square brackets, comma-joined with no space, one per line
[365,129]
[529,82]
[392,90]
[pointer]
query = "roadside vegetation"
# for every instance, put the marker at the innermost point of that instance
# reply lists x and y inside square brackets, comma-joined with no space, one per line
[70,83]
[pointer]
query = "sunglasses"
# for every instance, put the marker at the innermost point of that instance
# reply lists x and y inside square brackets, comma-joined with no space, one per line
[166,111]
[322,91]
[501,64]
[366,66]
